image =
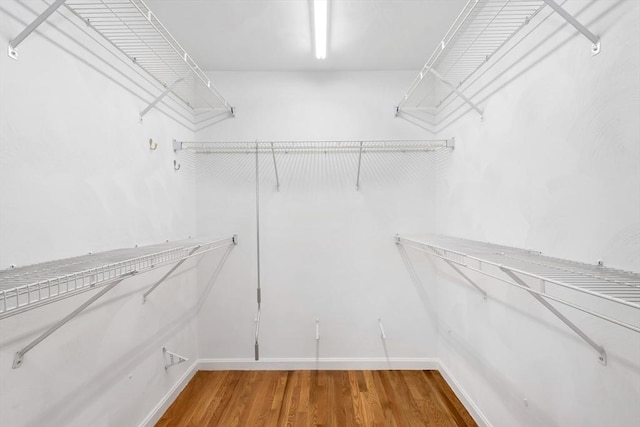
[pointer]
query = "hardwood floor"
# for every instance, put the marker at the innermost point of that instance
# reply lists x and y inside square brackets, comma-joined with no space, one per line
[317,398]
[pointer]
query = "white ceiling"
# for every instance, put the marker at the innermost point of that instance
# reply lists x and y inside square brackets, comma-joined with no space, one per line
[276,35]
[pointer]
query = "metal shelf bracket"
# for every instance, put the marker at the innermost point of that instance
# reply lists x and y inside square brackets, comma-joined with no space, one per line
[595,40]
[471,282]
[169,273]
[359,164]
[19,356]
[13,44]
[174,359]
[457,92]
[602,355]
[275,166]
[162,95]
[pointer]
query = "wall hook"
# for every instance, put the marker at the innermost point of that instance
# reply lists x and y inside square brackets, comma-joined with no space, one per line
[176,166]
[173,358]
[382,334]
[152,145]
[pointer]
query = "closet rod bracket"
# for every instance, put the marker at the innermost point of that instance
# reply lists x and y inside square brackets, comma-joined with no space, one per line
[174,358]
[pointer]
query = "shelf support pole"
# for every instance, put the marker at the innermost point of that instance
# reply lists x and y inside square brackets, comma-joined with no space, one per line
[162,95]
[595,40]
[259,288]
[18,359]
[13,44]
[169,273]
[456,91]
[275,166]
[602,358]
[359,163]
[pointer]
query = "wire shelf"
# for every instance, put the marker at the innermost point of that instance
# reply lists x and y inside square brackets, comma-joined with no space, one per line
[31,286]
[604,283]
[132,28]
[480,30]
[315,146]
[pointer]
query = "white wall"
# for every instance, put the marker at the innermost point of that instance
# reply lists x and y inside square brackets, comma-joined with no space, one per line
[76,172]
[77,175]
[327,250]
[554,166]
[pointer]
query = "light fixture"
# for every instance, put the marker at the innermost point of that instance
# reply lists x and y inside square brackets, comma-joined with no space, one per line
[320,21]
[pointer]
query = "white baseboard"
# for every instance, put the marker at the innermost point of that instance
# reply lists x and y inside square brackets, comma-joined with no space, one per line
[464,398]
[162,406]
[326,364]
[270,364]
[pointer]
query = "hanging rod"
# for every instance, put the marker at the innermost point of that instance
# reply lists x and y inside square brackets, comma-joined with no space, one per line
[30,287]
[601,283]
[355,146]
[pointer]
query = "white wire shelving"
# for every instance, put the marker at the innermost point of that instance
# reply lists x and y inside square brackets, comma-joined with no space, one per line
[30,287]
[132,28]
[26,288]
[479,31]
[371,146]
[320,147]
[606,293]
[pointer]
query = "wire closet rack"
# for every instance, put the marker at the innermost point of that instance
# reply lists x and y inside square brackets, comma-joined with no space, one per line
[372,146]
[357,148]
[606,293]
[29,287]
[132,28]
[479,31]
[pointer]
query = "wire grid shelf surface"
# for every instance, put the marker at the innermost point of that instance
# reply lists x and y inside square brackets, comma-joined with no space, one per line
[480,30]
[611,284]
[25,287]
[132,28]
[317,146]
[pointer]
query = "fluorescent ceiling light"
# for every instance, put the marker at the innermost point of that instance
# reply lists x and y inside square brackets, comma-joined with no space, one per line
[320,12]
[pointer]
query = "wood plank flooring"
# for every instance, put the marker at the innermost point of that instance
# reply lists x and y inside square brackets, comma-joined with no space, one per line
[316,398]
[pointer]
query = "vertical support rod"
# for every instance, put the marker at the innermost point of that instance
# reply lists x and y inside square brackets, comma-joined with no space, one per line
[317,329]
[359,163]
[18,359]
[595,40]
[258,226]
[258,291]
[256,347]
[13,44]
[162,95]
[163,278]
[603,356]
[275,166]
